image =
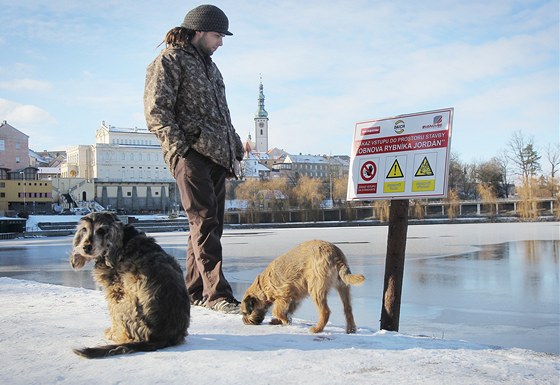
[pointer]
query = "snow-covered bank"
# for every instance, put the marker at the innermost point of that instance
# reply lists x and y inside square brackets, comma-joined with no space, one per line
[40,324]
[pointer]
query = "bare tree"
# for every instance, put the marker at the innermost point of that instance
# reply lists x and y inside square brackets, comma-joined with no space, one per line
[523,155]
[453,204]
[503,162]
[278,192]
[469,181]
[489,175]
[308,192]
[552,155]
[247,190]
[488,197]
[456,175]
[340,188]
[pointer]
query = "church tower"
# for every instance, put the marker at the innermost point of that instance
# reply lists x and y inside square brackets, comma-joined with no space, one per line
[261,124]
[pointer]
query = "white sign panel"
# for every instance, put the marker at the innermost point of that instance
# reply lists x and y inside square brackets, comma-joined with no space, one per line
[401,157]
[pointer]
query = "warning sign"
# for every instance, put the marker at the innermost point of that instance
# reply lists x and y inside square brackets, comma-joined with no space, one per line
[425,169]
[405,156]
[395,171]
[368,170]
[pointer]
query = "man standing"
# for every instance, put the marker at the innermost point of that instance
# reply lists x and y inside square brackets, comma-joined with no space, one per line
[185,107]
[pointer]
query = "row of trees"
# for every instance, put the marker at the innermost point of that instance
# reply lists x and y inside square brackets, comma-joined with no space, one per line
[516,171]
[519,165]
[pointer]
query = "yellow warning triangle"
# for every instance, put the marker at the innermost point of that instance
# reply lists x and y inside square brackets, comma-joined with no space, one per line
[425,169]
[395,171]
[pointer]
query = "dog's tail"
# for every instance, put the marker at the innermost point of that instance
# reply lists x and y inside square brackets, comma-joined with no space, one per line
[117,349]
[344,271]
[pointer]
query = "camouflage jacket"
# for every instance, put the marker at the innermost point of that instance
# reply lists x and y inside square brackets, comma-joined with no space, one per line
[185,107]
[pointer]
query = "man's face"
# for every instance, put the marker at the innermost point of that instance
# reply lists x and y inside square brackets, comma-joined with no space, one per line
[207,42]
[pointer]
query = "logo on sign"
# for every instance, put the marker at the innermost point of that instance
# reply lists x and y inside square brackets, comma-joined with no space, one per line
[399,127]
[437,123]
[371,130]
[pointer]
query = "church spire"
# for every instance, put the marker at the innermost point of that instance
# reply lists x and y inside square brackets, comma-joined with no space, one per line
[261,124]
[261,112]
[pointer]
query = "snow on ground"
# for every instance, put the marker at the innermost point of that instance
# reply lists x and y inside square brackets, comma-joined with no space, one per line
[40,324]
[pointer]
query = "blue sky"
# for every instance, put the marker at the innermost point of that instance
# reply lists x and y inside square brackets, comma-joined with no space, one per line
[65,66]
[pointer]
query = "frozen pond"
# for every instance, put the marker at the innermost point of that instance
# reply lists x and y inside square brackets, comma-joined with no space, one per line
[496,284]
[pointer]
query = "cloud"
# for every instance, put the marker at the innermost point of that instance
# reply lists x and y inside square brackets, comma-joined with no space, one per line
[26,85]
[24,114]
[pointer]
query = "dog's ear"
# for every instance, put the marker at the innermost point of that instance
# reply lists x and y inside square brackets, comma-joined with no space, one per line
[77,261]
[115,250]
[248,304]
[112,258]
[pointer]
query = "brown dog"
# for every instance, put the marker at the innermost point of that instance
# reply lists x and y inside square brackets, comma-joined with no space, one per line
[144,286]
[312,268]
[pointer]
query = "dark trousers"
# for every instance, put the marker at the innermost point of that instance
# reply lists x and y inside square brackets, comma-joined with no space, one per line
[201,184]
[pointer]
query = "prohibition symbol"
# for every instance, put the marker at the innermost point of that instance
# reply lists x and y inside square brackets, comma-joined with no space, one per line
[368,170]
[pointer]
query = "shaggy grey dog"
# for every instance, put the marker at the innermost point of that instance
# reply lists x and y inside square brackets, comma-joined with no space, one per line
[144,286]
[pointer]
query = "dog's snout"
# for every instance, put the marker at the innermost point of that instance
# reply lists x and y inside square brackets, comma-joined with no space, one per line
[88,247]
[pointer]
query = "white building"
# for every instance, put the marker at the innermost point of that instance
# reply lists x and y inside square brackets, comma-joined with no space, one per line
[119,154]
[128,154]
[126,169]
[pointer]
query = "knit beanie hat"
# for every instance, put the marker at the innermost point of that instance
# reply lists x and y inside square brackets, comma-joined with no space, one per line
[208,18]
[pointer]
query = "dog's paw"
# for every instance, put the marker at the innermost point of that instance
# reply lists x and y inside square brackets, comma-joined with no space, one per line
[275,321]
[77,261]
[110,335]
[316,329]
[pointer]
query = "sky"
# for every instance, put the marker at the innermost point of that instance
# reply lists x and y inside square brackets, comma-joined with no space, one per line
[41,324]
[67,66]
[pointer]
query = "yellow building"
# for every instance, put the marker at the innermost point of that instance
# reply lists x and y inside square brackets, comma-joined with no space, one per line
[25,195]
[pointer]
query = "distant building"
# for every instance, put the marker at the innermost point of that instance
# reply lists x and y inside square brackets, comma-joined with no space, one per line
[260,162]
[258,158]
[119,154]
[21,190]
[14,147]
[78,163]
[261,125]
[312,166]
[123,170]
[253,168]
[256,152]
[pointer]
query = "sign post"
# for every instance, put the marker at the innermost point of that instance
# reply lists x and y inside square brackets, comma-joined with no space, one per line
[394,265]
[399,158]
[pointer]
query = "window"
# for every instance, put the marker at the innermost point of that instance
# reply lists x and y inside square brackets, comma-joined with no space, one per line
[2,145]
[17,159]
